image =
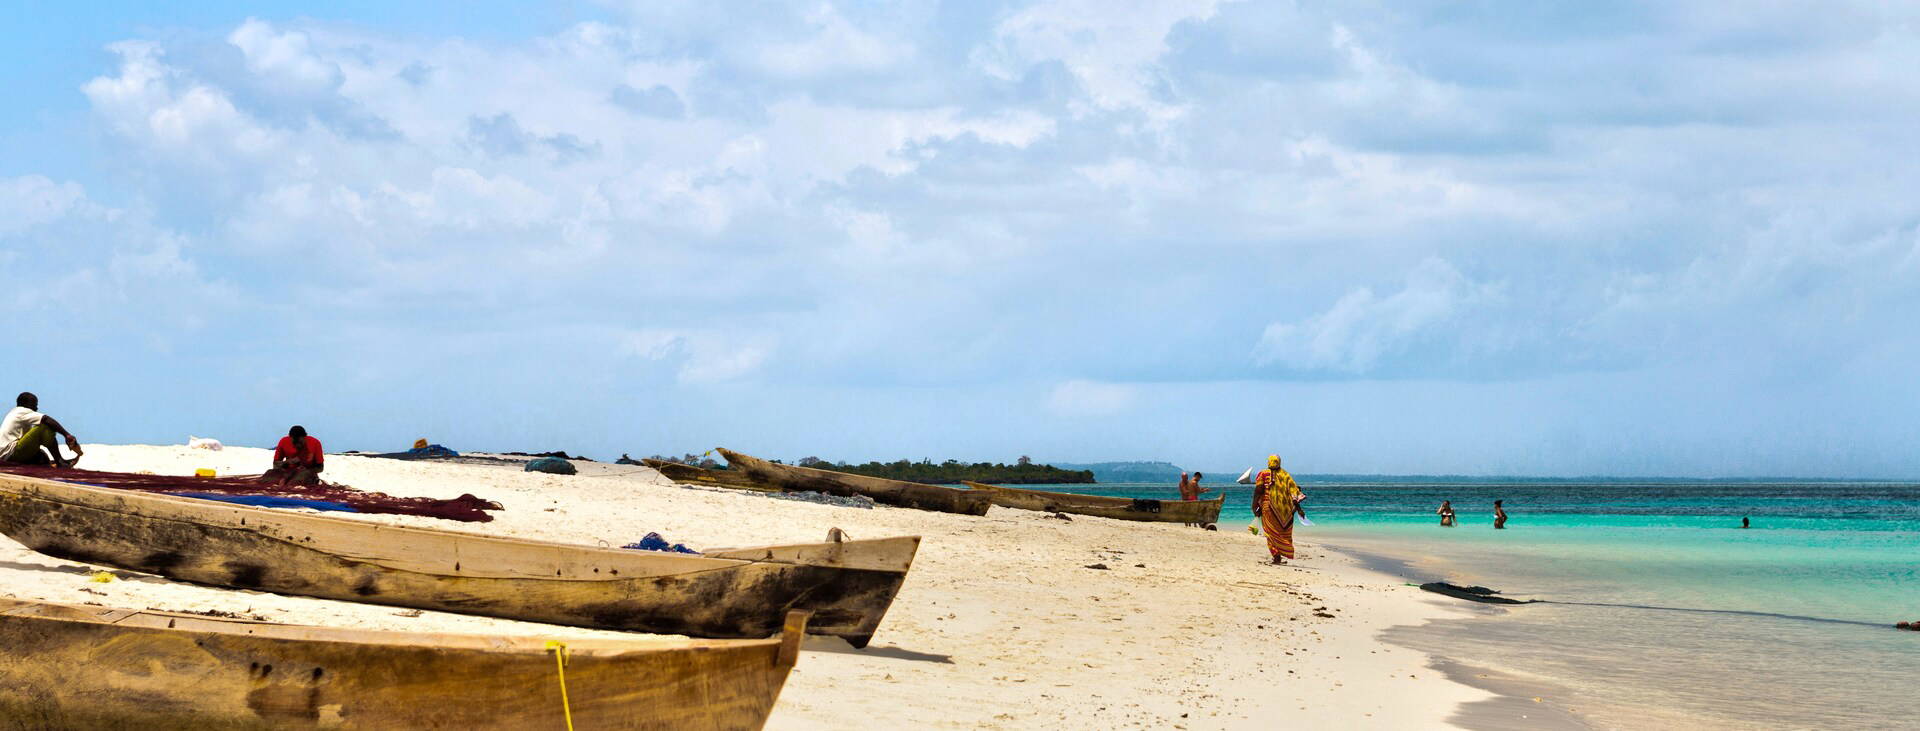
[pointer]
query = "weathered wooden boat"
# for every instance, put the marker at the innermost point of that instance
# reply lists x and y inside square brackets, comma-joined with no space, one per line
[732,593]
[884,491]
[691,475]
[64,666]
[1198,512]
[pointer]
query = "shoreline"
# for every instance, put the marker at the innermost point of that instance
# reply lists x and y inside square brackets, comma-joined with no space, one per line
[1010,620]
[1517,702]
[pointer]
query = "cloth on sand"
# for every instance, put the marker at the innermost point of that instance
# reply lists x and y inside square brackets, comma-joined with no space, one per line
[1275,497]
[420,443]
[270,501]
[552,466]
[655,542]
[431,451]
[464,508]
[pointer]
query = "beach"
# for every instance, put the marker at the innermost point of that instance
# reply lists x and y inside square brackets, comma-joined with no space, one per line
[1011,620]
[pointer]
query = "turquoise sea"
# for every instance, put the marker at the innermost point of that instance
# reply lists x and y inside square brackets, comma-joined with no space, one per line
[1664,613]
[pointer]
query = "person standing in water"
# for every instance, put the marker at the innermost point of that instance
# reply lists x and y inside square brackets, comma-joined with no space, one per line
[1446,513]
[1499,516]
[1276,498]
[1744,523]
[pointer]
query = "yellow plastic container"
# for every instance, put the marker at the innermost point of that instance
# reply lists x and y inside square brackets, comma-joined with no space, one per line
[203,472]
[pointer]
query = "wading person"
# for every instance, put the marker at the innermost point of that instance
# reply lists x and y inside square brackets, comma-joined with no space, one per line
[297,460]
[1276,498]
[25,433]
[1446,513]
[1499,516]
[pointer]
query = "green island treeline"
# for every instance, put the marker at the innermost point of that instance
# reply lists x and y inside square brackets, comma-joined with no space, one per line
[1022,472]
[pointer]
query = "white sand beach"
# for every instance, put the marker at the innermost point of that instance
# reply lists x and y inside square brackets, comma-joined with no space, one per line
[1000,625]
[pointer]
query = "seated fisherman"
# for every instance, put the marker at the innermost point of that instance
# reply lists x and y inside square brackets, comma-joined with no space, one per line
[297,460]
[26,431]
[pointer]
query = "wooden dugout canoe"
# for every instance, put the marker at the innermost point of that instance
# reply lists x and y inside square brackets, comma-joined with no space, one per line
[64,666]
[884,491]
[731,593]
[1203,512]
[690,475]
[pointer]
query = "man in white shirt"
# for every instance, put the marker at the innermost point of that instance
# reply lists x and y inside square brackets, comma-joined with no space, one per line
[25,432]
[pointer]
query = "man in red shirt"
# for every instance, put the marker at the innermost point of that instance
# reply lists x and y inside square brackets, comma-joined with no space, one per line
[297,460]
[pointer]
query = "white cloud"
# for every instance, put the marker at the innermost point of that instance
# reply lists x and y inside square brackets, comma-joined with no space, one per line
[1090,398]
[833,44]
[1361,328]
[32,200]
[1113,49]
[704,357]
[285,57]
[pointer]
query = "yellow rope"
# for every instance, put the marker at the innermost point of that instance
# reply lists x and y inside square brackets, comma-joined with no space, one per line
[560,661]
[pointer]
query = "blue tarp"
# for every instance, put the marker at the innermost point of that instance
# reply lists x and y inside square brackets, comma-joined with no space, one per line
[270,501]
[654,542]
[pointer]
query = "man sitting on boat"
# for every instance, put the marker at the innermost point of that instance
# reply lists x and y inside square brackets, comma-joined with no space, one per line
[297,460]
[26,432]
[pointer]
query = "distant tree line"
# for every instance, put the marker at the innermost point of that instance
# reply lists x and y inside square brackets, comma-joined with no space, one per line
[1022,472]
[691,459]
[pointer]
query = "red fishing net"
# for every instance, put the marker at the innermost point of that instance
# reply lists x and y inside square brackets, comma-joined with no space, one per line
[465,508]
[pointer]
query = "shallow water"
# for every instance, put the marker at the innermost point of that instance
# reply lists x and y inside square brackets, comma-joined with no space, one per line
[1666,612]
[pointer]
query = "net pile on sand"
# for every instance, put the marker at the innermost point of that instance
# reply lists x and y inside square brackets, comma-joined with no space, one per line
[464,508]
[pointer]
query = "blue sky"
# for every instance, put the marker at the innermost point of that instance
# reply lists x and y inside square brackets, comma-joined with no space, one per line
[1480,238]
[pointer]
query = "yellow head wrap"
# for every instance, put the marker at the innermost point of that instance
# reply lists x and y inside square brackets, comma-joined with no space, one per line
[1273,460]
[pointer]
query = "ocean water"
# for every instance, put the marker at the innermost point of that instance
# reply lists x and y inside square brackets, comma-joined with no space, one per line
[1663,612]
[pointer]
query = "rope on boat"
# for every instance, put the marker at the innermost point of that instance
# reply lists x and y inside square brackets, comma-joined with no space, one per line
[560,662]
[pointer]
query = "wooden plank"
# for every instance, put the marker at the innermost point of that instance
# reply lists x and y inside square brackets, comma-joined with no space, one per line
[1201,512]
[888,492]
[66,666]
[743,592]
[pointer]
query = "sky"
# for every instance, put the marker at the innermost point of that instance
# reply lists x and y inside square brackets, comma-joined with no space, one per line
[1499,238]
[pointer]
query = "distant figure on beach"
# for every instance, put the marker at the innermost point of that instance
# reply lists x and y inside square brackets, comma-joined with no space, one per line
[1191,489]
[1499,516]
[26,431]
[297,460]
[1276,499]
[1744,523]
[1446,513]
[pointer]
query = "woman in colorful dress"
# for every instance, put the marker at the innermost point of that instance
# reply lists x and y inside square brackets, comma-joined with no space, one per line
[1276,498]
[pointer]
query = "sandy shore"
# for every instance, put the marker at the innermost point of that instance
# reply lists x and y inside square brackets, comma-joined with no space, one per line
[1002,624]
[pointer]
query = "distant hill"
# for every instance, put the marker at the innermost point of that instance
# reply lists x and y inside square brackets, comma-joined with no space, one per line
[1128,471]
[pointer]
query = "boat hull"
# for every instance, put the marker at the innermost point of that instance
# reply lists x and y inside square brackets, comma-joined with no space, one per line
[87,667]
[884,491]
[690,475]
[728,593]
[1200,512]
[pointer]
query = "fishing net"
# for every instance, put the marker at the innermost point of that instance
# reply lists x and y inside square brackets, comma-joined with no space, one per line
[464,508]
